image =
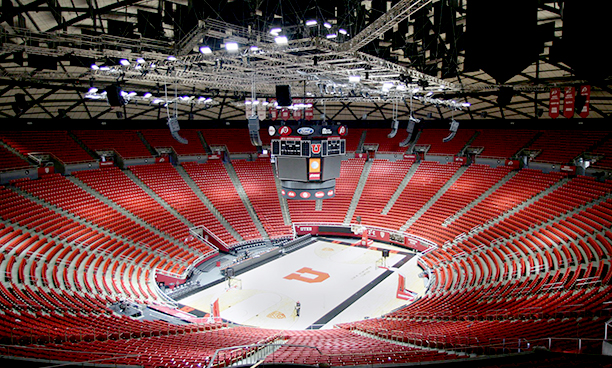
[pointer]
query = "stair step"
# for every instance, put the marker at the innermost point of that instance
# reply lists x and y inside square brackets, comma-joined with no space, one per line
[208,203]
[433,199]
[400,188]
[245,199]
[358,190]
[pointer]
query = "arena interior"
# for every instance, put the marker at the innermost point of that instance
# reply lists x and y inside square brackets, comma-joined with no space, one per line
[339,183]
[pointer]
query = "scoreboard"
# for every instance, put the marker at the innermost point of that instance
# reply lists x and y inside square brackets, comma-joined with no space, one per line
[308,159]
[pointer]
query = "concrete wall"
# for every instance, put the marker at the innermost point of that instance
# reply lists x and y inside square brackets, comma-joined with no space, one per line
[7,176]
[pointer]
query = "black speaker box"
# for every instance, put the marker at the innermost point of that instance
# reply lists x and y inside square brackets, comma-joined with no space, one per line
[283,95]
[113,94]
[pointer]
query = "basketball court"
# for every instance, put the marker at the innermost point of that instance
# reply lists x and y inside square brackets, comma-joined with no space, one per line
[334,281]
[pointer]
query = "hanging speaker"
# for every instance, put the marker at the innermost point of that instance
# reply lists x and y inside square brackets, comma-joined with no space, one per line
[113,94]
[283,95]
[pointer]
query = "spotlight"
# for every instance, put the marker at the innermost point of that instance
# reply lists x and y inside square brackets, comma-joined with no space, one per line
[105,68]
[387,86]
[332,35]
[354,78]
[152,65]
[231,46]
[311,23]
[132,94]
[124,62]
[343,31]
[205,50]
[254,48]
[275,31]
[94,67]
[171,58]
[327,25]
[281,40]
[157,101]
[429,94]
[147,95]
[140,61]
[92,90]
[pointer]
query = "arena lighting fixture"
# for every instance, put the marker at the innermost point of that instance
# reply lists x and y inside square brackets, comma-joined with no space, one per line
[354,78]
[311,23]
[205,50]
[429,94]
[140,61]
[124,62]
[152,65]
[231,46]
[327,25]
[94,67]
[147,95]
[105,68]
[171,58]
[332,35]
[387,86]
[254,48]
[281,40]
[275,31]
[343,31]
[157,101]
[131,94]
[92,90]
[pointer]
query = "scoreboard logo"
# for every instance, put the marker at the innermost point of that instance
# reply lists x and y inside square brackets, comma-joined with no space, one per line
[315,148]
[342,130]
[284,131]
[271,130]
[305,131]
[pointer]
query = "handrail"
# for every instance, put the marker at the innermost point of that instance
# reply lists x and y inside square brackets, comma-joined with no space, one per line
[231,348]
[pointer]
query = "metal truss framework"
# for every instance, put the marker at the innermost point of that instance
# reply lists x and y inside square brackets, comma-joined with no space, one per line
[314,67]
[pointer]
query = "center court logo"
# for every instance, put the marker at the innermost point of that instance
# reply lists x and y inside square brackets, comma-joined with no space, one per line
[308,275]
